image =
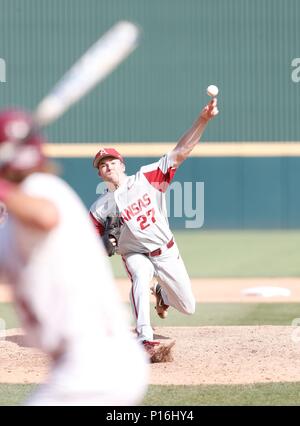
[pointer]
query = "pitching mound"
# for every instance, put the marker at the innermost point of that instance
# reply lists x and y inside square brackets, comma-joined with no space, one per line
[201,355]
[20,363]
[230,355]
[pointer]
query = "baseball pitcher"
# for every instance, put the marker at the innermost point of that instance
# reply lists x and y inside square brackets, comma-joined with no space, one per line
[132,219]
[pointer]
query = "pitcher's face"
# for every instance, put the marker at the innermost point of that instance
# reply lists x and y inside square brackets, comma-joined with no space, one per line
[111,170]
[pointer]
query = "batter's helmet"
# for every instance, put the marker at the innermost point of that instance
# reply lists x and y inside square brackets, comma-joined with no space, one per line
[20,143]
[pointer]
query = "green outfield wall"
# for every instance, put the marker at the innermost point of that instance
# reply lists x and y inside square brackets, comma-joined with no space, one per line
[246,47]
[249,48]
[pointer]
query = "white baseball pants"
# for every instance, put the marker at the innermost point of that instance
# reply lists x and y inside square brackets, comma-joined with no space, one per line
[170,272]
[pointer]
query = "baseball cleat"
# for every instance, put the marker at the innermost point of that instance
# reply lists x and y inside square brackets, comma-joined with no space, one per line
[150,346]
[161,308]
[159,352]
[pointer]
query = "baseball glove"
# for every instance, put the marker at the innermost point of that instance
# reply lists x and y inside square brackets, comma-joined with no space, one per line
[111,234]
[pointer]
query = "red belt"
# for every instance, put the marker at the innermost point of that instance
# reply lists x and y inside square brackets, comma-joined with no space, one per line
[158,251]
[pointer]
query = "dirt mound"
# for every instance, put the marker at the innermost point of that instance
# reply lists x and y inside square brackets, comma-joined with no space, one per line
[230,355]
[20,363]
[202,355]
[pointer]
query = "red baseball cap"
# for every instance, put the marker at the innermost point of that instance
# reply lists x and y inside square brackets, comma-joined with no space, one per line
[106,152]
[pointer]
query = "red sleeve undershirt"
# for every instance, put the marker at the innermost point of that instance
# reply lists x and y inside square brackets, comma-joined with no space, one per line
[98,225]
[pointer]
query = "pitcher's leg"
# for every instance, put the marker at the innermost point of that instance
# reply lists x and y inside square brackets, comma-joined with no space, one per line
[140,271]
[176,284]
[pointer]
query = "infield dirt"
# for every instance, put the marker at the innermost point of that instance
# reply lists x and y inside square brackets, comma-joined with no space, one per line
[215,289]
[202,355]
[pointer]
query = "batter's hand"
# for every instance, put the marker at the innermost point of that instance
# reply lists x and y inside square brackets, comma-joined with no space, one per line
[210,111]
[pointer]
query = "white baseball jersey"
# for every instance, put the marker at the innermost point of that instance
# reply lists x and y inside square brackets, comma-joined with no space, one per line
[65,293]
[141,203]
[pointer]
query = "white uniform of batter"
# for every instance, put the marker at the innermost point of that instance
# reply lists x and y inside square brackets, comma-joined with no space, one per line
[66,298]
[146,242]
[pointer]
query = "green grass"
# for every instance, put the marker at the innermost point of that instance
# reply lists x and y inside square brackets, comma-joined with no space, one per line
[208,314]
[232,314]
[236,253]
[11,394]
[257,394]
[8,314]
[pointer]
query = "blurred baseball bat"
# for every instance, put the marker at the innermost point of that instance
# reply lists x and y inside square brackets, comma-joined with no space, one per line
[95,64]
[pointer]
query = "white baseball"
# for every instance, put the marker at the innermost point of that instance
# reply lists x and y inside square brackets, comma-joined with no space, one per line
[212,90]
